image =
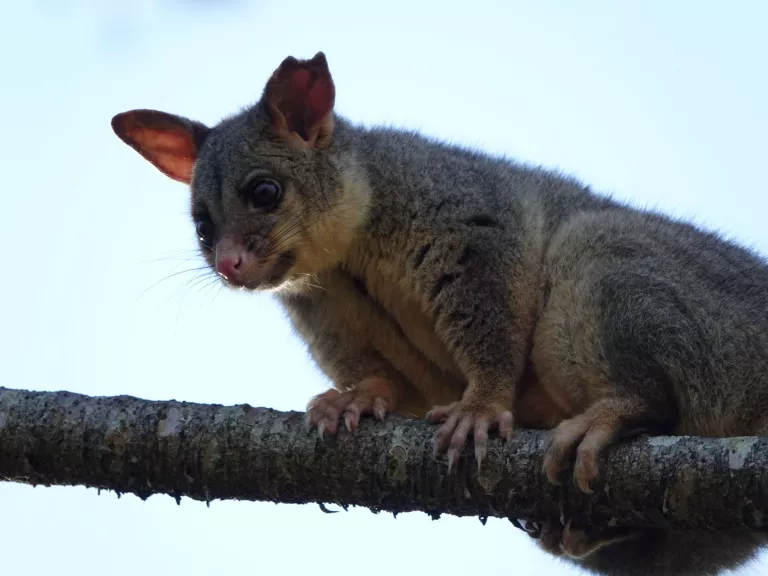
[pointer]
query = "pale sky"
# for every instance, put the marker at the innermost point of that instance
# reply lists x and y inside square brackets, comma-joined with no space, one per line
[662,104]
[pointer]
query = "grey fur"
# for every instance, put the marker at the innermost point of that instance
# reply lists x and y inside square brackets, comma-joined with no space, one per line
[461,278]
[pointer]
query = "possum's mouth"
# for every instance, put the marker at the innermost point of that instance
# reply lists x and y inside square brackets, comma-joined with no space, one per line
[281,267]
[274,276]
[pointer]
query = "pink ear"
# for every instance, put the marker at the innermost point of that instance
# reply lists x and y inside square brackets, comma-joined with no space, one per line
[300,97]
[169,142]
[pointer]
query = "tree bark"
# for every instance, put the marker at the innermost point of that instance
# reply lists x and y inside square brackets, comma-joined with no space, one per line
[209,452]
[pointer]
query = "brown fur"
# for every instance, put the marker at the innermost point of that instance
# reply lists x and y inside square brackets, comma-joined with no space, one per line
[438,282]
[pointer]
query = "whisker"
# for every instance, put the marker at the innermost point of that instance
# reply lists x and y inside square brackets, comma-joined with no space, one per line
[174,255]
[200,283]
[305,220]
[321,211]
[313,285]
[219,291]
[277,244]
[172,275]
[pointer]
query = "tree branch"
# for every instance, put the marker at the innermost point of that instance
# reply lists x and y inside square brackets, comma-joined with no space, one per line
[209,452]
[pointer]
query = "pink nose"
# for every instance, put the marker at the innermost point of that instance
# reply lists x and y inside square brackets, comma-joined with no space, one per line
[231,267]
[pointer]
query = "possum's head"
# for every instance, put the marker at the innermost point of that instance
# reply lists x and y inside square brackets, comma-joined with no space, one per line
[275,200]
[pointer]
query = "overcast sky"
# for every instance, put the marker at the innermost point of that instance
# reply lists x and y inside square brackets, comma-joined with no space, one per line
[662,104]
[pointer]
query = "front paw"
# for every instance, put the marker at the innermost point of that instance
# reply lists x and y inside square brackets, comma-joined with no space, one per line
[461,418]
[374,396]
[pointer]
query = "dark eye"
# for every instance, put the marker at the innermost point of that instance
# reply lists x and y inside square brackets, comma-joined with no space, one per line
[263,193]
[204,228]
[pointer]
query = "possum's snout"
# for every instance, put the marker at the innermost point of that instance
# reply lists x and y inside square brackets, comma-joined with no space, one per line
[249,269]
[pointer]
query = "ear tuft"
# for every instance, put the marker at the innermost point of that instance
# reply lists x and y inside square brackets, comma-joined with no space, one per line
[300,97]
[168,141]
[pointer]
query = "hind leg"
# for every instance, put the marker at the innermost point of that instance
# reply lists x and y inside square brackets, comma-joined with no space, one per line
[617,350]
[588,434]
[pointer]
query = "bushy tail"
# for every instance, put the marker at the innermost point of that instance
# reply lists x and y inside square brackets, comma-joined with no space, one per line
[676,552]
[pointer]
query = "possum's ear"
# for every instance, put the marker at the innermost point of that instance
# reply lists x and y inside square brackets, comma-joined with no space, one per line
[168,141]
[299,99]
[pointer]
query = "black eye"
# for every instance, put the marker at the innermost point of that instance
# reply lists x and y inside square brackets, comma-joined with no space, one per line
[204,228]
[263,193]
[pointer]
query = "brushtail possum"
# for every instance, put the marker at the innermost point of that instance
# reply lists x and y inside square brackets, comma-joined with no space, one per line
[438,282]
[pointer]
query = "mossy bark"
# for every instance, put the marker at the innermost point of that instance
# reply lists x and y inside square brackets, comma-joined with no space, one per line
[209,452]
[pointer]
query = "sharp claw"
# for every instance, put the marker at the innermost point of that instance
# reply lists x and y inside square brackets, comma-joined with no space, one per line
[584,486]
[379,412]
[506,426]
[348,422]
[321,429]
[480,453]
[439,414]
[451,459]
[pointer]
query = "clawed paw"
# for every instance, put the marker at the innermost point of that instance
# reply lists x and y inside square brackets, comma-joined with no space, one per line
[588,435]
[558,454]
[461,418]
[373,396]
